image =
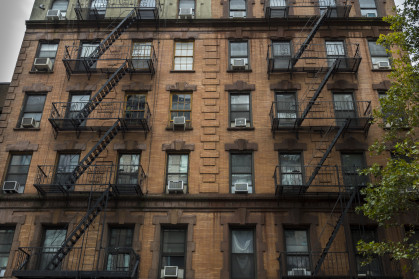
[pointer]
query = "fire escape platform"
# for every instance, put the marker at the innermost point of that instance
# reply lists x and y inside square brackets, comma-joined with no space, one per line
[39,274]
[115,10]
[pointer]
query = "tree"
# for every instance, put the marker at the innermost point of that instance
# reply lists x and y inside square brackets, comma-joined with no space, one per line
[395,188]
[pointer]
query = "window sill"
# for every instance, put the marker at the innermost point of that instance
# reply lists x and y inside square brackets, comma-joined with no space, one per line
[26,129]
[240,128]
[170,128]
[382,70]
[239,71]
[182,71]
[41,72]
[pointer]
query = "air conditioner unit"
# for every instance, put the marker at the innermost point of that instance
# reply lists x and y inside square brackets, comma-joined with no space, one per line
[384,65]
[240,122]
[179,121]
[11,187]
[170,272]
[175,186]
[371,15]
[299,272]
[42,64]
[241,188]
[240,14]
[185,13]
[28,122]
[54,15]
[238,64]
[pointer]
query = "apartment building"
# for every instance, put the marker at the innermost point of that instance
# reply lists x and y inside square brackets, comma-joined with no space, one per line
[193,139]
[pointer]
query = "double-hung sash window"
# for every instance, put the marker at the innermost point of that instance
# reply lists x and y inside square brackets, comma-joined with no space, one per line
[180,106]
[141,55]
[98,8]
[335,50]
[66,165]
[239,56]
[177,169]
[128,168]
[298,253]
[368,8]
[242,254]
[281,54]
[32,111]
[238,8]
[60,5]
[46,50]
[325,4]
[18,170]
[86,49]
[119,248]
[291,171]
[286,109]
[241,172]
[240,110]
[53,238]
[6,239]
[187,7]
[135,107]
[379,56]
[351,164]
[77,103]
[367,235]
[344,108]
[173,250]
[183,58]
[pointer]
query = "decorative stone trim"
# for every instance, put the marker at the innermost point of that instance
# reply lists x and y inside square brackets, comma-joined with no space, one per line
[342,85]
[37,87]
[243,218]
[130,145]
[137,86]
[69,146]
[384,85]
[351,144]
[178,145]
[241,145]
[22,146]
[174,217]
[81,87]
[239,86]
[290,144]
[181,86]
[285,85]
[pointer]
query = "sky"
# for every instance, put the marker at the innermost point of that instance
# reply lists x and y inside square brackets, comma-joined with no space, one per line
[12,29]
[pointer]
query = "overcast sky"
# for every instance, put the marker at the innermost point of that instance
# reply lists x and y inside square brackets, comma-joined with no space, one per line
[13,14]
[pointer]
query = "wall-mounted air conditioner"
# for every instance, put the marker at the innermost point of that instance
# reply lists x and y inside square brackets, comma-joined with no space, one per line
[43,64]
[299,272]
[54,15]
[240,122]
[11,187]
[170,272]
[175,186]
[238,14]
[185,13]
[28,122]
[384,65]
[241,188]
[238,64]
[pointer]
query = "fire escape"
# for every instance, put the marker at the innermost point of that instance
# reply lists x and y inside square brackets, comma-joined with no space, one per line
[87,177]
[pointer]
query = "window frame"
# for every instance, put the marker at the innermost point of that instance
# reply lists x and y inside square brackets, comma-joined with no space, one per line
[9,164]
[249,122]
[230,10]
[23,110]
[52,58]
[141,112]
[3,255]
[287,122]
[143,60]
[361,180]
[163,254]
[174,56]
[193,8]
[247,57]
[111,248]
[254,253]
[252,166]
[378,58]
[59,154]
[185,185]
[80,57]
[128,173]
[40,260]
[63,12]
[302,173]
[281,57]
[364,10]
[70,108]
[178,110]
[298,254]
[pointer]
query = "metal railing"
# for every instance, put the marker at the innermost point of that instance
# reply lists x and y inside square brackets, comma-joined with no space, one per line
[121,262]
[288,8]
[293,180]
[285,115]
[126,180]
[314,57]
[143,60]
[134,116]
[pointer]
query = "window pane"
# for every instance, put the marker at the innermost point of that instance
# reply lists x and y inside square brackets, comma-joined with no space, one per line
[87,49]
[142,50]
[241,163]
[35,103]
[376,50]
[178,163]
[187,4]
[242,254]
[121,237]
[6,239]
[237,4]
[238,49]
[296,240]
[48,50]
[242,266]
[281,49]
[367,3]
[174,241]
[351,160]
[60,5]
[335,48]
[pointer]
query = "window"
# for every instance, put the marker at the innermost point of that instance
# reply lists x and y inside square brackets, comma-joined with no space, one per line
[368,8]
[32,111]
[239,56]
[298,252]
[291,171]
[46,51]
[334,50]
[324,4]
[141,55]
[180,105]
[186,8]
[400,122]
[281,52]
[286,109]
[86,49]
[241,172]
[412,240]
[173,248]
[66,165]
[183,60]
[98,9]
[344,108]
[379,56]
[240,115]
[128,168]
[6,239]
[60,5]
[242,254]
[120,244]
[18,170]
[237,8]
[77,103]
[52,240]
[135,107]
[351,163]
[367,235]
[177,169]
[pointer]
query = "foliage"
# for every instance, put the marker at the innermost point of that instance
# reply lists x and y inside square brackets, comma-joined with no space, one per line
[395,189]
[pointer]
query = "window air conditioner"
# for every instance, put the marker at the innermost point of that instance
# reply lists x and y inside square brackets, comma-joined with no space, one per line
[28,122]
[240,122]
[11,187]
[241,188]
[238,64]
[384,65]
[54,15]
[175,186]
[299,271]
[185,13]
[371,15]
[240,14]
[170,272]
[42,64]
[179,121]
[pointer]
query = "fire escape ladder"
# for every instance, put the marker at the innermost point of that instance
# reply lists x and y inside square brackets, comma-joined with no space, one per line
[310,37]
[111,38]
[317,93]
[101,94]
[335,231]
[76,234]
